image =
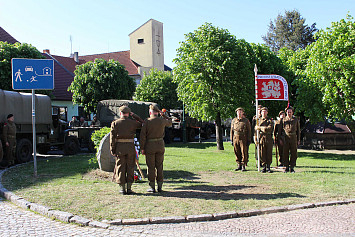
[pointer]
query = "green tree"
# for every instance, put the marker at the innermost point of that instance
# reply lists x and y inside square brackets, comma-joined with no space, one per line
[289,31]
[158,87]
[213,75]
[9,51]
[327,80]
[100,80]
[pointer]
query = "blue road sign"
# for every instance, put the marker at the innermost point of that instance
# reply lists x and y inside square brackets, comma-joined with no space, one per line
[32,74]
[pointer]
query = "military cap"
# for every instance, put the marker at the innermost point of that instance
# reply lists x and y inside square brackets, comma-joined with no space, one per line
[125,109]
[260,106]
[264,108]
[289,107]
[9,116]
[240,108]
[281,112]
[154,108]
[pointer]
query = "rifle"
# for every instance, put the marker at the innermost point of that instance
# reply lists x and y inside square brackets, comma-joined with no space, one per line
[140,170]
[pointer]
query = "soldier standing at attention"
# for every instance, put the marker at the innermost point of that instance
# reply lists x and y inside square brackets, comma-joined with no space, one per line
[152,144]
[279,136]
[122,147]
[291,127]
[9,139]
[240,136]
[266,143]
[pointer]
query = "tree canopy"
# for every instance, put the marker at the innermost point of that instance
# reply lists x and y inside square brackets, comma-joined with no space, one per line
[100,80]
[10,51]
[325,73]
[289,31]
[213,75]
[158,87]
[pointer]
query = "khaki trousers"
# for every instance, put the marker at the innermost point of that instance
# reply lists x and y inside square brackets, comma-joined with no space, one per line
[240,149]
[290,146]
[266,146]
[125,163]
[154,156]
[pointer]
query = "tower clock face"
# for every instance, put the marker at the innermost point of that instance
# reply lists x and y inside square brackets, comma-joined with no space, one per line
[157,41]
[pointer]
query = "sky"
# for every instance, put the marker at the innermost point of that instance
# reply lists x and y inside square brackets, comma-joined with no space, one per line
[103,26]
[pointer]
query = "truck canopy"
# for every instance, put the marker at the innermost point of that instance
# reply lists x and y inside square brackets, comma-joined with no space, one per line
[20,105]
[108,110]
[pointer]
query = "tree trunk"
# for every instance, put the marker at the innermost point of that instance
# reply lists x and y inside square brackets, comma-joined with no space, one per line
[219,134]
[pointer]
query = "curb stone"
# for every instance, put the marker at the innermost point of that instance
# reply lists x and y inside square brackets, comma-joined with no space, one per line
[300,206]
[98,224]
[168,219]
[79,220]
[226,215]
[202,217]
[40,209]
[60,215]
[136,221]
[69,218]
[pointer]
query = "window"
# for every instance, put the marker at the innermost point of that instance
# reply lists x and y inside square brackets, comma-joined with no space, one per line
[140,41]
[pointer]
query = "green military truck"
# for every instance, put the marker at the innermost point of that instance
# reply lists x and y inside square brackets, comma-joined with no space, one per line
[50,130]
[108,110]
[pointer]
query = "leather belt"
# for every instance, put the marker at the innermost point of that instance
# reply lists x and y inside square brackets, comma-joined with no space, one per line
[155,139]
[124,140]
[290,133]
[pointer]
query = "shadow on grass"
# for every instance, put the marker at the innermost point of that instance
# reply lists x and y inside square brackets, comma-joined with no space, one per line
[230,192]
[326,156]
[192,145]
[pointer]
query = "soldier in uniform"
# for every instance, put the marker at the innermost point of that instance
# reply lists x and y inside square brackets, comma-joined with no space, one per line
[95,122]
[291,127]
[152,144]
[9,139]
[279,136]
[122,147]
[240,137]
[253,133]
[74,122]
[83,123]
[265,126]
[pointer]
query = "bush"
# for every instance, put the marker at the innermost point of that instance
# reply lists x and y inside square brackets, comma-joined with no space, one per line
[96,138]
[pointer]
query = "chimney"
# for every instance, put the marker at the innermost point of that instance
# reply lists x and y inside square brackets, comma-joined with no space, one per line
[46,51]
[76,57]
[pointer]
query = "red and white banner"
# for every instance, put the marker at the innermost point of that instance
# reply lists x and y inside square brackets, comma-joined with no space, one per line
[271,87]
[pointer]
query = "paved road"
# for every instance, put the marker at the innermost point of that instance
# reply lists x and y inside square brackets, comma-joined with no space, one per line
[323,221]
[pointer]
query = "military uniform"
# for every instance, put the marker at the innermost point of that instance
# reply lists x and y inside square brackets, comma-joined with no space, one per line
[151,141]
[122,147]
[291,129]
[266,127]
[1,151]
[279,141]
[240,135]
[9,136]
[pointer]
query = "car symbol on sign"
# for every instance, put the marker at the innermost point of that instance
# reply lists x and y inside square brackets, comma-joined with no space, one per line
[29,69]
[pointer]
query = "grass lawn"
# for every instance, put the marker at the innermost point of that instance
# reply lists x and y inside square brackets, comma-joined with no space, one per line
[198,179]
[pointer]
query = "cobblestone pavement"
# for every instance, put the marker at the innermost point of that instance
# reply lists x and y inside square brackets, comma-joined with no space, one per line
[322,221]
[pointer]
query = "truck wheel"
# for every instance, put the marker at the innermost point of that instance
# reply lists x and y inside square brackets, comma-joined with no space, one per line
[71,146]
[191,135]
[23,150]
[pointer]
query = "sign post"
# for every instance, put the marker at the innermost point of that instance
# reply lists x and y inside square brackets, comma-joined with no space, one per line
[268,87]
[32,74]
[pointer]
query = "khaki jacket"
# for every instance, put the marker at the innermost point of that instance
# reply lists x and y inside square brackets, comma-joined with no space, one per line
[153,128]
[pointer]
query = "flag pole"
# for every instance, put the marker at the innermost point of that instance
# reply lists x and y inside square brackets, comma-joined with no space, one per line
[257,115]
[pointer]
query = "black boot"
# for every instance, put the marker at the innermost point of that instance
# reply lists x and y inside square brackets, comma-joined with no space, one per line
[264,169]
[152,187]
[268,169]
[243,168]
[239,167]
[160,187]
[287,169]
[292,170]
